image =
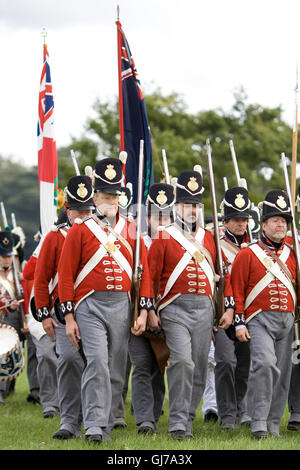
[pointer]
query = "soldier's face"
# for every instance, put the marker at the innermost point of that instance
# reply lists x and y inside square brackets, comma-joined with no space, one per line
[74,214]
[275,228]
[155,220]
[107,203]
[6,261]
[236,226]
[189,212]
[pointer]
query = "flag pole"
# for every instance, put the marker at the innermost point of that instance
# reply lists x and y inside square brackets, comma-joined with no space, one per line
[294,144]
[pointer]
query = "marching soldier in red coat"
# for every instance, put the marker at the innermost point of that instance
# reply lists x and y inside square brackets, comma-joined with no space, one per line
[95,282]
[182,263]
[70,364]
[263,276]
[232,356]
[147,380]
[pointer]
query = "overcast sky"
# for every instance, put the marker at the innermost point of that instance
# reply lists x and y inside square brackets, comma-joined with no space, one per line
[203,50]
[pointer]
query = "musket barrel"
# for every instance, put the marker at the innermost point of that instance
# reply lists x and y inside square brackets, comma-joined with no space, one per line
[166,169]
[234,161]
[3,214]
[225,183]
[214,204]
[295,238]
[73,156]
[293,223]
[13,220]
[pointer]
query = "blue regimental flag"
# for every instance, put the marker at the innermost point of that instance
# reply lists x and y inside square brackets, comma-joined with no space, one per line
[133,119]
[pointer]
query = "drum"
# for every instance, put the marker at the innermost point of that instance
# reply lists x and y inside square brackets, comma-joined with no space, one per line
[11,353]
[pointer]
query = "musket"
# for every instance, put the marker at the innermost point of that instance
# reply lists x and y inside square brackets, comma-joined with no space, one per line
[19,288]
[73,156]
[295,240]
[238,180]
[294,142]
[166,169]
[167,174]
[219,298]
[138,268]
[225,183]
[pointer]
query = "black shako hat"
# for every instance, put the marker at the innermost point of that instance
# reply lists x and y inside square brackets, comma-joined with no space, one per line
[161,199]
[108,174]
[254,219]
[6,243]
[276,203]
[125,199]
[189,187]
[79,193]
[235,203]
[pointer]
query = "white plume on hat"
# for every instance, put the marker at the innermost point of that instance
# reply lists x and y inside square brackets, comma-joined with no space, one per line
[243,183]
[123,156]
[198,168]
[174,181]
[20,232]
[88,171]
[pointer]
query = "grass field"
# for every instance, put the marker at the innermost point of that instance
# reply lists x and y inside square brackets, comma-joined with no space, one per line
[23,427]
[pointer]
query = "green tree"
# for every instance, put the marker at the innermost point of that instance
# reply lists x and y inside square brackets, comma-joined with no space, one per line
[19,192]
[259,135]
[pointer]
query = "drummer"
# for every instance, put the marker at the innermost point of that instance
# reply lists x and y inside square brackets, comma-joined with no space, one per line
[10,315]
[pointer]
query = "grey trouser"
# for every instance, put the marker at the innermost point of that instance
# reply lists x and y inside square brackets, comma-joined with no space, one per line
[32,364]
[69,372]
[104,323]
[147,382]
[294,394]
[294,391]
[269,378]
[209,394]
[46,371]
[231,375]
[120,414]
[187,323]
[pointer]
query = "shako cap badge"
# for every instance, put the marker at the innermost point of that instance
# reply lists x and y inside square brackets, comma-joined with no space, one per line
[281,202]
[82,191]
[123,199]
[239,201]
[110,172]
[192,184]
[161,197]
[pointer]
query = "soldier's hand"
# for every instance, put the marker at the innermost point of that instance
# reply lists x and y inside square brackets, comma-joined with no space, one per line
[153,323]
[140,324]
[48,325]
[226,319]
[72,330]
[242,334]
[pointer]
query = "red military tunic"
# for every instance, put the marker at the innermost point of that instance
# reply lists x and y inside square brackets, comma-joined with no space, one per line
[80,246]
[247,271]
[46,268]
[165,253]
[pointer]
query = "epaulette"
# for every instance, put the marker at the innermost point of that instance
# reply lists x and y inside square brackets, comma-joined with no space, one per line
[252,243]
[79,221]
[55,228]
